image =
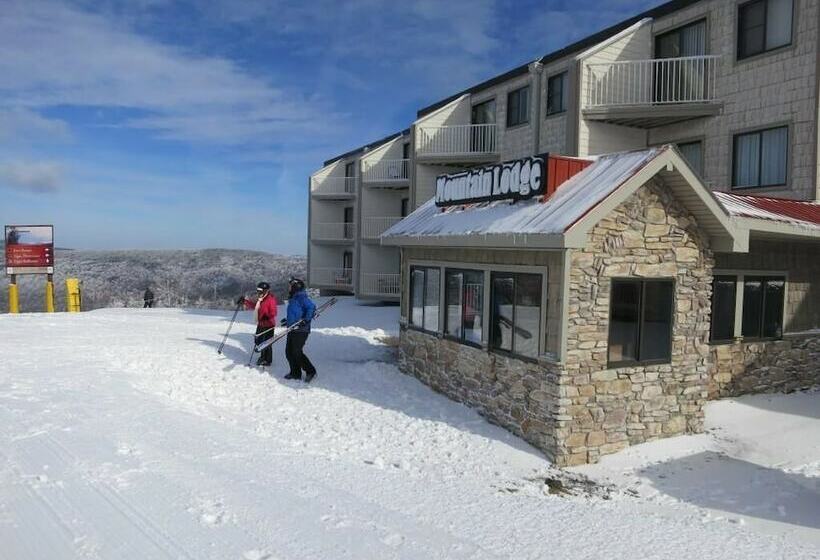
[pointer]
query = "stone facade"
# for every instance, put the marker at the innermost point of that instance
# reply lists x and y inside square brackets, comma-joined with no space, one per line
[517,395]
[767,366]
[648,236]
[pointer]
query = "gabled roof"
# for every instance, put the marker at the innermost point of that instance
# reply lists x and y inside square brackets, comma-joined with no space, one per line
[564,219]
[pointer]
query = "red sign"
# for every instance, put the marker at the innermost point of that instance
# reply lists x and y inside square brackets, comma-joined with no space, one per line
[29,249]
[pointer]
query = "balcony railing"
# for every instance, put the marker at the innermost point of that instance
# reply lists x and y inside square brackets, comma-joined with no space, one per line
[386,170]
[341,277]
[335,231]
[372,228]
[663,81]
[334,186]
[462,139]
[381,284]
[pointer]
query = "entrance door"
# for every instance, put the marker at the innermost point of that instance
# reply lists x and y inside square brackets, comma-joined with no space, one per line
[346,276]
[681,80]
[481,137]
[348,222]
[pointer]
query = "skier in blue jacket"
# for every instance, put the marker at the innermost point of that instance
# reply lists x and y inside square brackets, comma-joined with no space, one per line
[300,312]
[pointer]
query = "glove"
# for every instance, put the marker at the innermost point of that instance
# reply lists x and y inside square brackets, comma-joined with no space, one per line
[241,300]
[283,322]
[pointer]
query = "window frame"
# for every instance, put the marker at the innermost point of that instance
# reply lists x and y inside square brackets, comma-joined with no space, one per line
[542,306]
[484,102]
[461,339]
[764,280]
[642,314]
[526,110]
[759,132]
[564,75]
[741,275]
[410,323]
[739,55]
[733,337]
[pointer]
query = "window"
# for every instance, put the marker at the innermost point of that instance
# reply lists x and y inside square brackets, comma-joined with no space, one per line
[516,313]
[688,40]
[760,158]
[405,150]
[464,303]
[557,93]
[424,297]
[350,177]
[518,106]
[405,204]
[724,296]
[692,152]
[345,276]
[763,307]
[483,113]
[763,25]
[349,226]
[640,326]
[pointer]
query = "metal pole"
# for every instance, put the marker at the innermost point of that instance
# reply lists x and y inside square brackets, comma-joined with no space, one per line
[14,300]
[219,351]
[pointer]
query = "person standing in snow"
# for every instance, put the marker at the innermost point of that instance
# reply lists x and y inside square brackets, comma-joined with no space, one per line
[300,312]
[148,298]
[264,313]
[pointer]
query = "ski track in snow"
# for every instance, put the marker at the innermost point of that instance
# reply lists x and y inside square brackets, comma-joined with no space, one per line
[128,437]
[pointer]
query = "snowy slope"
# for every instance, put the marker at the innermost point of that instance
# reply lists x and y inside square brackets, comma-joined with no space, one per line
[124,435]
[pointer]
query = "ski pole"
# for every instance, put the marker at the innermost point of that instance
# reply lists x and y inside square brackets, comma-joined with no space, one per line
[219,351]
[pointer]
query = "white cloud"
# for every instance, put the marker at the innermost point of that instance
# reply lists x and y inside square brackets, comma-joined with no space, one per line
[32,176]
[22,124]
[56,55]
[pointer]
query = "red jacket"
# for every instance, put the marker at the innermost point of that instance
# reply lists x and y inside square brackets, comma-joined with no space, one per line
[265,311]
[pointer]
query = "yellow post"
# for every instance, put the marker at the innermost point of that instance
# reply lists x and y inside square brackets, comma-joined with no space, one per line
[72,298]
[49,294]
[14,300]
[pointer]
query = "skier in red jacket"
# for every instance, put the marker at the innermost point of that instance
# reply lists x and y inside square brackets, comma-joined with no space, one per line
[264,313]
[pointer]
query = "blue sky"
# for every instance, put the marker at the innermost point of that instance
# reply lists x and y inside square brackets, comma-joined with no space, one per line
[187,124]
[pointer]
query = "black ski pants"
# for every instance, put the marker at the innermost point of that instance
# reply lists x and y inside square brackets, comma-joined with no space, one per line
[267,354]
[149,303]
[296,356]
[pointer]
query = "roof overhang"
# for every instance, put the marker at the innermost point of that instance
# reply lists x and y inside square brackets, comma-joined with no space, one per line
[522,241]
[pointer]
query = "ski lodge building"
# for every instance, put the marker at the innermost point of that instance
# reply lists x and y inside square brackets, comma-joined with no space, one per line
[591,246]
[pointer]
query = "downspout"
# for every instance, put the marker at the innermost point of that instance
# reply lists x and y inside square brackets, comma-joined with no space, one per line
[536,70]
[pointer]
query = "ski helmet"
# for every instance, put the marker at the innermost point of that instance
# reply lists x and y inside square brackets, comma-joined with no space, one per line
[263,286]
[296,284]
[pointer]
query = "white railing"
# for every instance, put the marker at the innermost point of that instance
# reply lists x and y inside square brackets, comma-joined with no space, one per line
[335,231]
[341,277]
[372,228]
[689,79]
[386,170]
[334,185]
[381,284]
[457,139]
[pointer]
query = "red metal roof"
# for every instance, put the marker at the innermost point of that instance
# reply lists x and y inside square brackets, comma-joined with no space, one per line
[769,208]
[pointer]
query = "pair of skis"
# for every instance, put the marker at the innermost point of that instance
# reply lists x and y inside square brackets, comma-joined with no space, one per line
[279,336]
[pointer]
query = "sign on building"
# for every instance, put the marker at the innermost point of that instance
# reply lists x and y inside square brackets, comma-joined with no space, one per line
[29,249]
[515,180]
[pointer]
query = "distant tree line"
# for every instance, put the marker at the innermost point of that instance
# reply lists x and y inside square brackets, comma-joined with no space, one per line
[206,278]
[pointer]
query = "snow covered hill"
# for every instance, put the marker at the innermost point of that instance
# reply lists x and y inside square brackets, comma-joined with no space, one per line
[123,435]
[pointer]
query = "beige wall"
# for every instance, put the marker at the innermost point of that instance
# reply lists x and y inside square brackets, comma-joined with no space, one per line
[771,89]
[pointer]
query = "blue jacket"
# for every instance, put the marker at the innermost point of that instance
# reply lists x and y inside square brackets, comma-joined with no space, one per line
[300,307]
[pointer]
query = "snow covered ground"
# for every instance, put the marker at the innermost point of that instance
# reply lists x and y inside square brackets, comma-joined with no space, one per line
[123,435]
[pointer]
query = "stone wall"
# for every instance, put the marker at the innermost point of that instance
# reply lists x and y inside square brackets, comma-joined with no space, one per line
[648,236]
[517,395]
[766,366]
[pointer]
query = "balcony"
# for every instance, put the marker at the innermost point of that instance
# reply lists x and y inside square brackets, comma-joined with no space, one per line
[387,172]
[651,93]
[372,228]
[339,278]
[382,285]
[338,232]
[339,188]
[453,144]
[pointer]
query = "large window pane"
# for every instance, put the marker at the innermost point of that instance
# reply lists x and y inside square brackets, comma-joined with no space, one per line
[747,160]
[624,320]
[484,113]
[454,298]
[774,150]
[431,299]
[724,294]
[752,29]
[556,93]
[503,292]
[473,305]
[527,329]
[778,23]
[417,297]
[752,307]
[518,106]
[773,308]
[656,330]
